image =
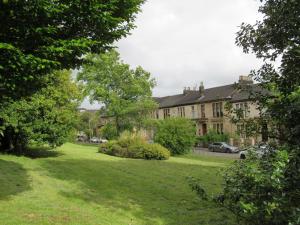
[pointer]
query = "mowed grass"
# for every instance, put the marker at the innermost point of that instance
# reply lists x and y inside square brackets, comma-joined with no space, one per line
[77,186]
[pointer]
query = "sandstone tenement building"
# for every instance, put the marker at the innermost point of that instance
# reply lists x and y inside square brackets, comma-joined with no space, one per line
[207,106]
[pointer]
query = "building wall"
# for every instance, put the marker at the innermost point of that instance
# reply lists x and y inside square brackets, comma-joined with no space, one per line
[209,120]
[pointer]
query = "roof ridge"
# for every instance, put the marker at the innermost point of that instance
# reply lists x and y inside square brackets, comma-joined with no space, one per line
[220,86]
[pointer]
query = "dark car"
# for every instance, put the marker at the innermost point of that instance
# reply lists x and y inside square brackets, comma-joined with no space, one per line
[222,147]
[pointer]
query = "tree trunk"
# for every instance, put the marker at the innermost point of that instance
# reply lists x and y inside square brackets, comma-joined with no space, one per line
[6,142]
[118,127]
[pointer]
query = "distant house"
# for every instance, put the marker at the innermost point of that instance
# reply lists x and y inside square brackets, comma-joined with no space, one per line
[207,106]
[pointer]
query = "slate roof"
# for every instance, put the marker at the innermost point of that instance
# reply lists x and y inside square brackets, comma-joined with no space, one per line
[229,92]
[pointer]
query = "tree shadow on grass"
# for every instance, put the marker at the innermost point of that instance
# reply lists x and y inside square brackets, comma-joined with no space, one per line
[13,179]
[37,152]
[150,190]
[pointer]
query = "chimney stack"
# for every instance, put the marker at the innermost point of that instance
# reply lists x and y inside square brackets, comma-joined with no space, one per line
[185,90]
[201,89]
[245,80]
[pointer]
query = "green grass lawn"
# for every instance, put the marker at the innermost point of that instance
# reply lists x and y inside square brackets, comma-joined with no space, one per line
[80,186]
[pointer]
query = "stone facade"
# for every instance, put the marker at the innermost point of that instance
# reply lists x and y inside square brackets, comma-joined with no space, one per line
[207,106]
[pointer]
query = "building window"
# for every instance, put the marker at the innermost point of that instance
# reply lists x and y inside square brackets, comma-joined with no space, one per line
[157,114]
[241,130]
[166,113]
[218,127]
[247,110]
[242,109]
[181,111]
[217,109]
[193,111]
[202,111]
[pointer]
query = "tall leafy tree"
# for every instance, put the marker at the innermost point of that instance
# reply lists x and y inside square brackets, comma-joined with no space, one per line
[125,92]
[48,116]
[266,190]
[277,38]
[41,36]
[37,37]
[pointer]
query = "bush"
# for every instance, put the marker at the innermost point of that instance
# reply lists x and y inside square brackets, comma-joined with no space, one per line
[127,139]
[176,134]
[149,151]
[211,137]
[131,145]
[265,198]
[258,190]
[110,147]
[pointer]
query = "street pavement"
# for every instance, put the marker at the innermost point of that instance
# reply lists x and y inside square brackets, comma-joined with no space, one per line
[205,151]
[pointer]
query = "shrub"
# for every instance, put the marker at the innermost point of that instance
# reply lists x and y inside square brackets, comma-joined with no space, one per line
[176,134]
[149,151]
[265,198]
[127,139]
[133,145]
[210,137]
[258,190]
[108,147]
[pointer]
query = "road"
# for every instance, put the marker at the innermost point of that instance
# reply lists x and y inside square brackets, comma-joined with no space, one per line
[205,151]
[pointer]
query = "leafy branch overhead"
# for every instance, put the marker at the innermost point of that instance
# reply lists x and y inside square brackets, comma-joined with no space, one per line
[37,37]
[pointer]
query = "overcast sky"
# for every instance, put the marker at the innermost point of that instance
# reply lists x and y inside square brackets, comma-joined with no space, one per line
[185,42]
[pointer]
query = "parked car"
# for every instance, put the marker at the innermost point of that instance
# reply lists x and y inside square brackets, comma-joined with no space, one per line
[95,140]
[81,137]
[102,140]
[260,150]
[222,147]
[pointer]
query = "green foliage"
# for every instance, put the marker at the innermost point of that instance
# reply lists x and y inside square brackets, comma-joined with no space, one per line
[212,136]
[127,139]
[277,37]
[149,151]
[48,116]
[125,92]
[252,127]
[130,145]
[176,134]
[257,190]
[266,190]
[88,123]
[109,131]
[38,37]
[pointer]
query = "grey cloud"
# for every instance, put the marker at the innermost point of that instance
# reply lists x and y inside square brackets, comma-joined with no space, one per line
[184,42]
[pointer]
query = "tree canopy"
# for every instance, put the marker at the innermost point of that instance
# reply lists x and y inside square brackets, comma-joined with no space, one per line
[277,38]
[265,189]
[38,37]
[125,92]
[47,117]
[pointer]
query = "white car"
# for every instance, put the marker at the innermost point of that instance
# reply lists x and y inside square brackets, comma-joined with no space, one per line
[95,140]
[103,141]
[222,147]
[259,150]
